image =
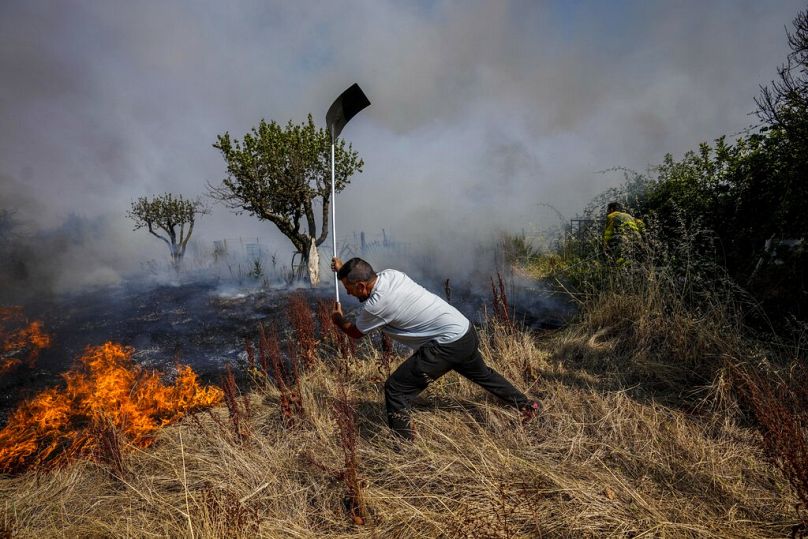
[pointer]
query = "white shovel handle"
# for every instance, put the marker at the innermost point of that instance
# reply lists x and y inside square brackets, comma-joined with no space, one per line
[334,220]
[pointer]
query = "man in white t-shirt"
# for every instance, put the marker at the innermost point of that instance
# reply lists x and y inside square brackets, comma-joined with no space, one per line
[443,339]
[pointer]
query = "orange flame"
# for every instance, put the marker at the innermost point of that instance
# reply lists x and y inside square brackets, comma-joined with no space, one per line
[17,341]
[106,389]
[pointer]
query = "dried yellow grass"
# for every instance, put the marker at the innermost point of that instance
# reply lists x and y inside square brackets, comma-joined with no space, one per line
[600,462]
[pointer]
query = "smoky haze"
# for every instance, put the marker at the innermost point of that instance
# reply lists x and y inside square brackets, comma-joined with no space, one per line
[480,112]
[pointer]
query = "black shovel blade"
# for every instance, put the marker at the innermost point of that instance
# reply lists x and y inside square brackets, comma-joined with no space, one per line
[344,108]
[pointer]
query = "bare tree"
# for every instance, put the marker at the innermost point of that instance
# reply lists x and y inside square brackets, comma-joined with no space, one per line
[784,102]
[279,174]
[170,218]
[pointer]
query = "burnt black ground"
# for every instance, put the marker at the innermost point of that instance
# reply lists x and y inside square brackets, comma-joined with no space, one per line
[199,324]
[203,324]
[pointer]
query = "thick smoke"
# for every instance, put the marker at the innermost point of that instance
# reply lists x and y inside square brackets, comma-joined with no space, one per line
[37,263]
[481,112]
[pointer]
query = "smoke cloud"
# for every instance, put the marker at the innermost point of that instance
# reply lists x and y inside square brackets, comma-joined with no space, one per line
[481,111]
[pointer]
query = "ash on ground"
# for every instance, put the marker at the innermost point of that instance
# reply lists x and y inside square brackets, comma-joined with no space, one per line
[204,324]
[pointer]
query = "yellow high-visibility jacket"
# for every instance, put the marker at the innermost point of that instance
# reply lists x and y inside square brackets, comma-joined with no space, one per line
[620,228]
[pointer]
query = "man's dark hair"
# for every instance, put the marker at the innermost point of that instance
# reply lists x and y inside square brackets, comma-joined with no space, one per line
[356,270]
[614,206]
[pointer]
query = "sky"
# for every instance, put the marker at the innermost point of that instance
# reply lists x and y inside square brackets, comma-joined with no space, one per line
[483,112]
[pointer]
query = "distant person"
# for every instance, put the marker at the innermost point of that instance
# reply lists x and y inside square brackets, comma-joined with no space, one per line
[621,234]
[443,339]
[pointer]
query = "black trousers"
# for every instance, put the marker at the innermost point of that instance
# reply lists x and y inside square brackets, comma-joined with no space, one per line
[432,361]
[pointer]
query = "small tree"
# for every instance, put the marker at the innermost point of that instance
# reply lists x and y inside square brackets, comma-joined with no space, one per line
[170,218]
[278,174]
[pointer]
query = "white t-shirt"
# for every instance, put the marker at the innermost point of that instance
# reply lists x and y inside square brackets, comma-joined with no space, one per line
[409,313]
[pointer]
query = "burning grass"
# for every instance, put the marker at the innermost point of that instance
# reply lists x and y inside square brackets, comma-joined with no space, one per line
[20,341]
[105,397]
[599,462]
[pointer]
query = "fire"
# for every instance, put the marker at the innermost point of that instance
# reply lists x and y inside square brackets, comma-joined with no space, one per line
[18,344]
[107,389]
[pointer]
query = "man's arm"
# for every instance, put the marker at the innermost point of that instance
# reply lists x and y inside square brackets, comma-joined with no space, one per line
[344,324]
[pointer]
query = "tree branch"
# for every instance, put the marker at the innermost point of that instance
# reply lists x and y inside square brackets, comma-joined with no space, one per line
[156,235]
[310,218]
[324,230]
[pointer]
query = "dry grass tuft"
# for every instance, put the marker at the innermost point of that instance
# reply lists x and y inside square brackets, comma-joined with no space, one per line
[238,413]
[502,310]
[108,450]
[335,341]
[646,329]
[354,501]
[7,527]
[286,380]
[386,358]
[778,408]
[302,321]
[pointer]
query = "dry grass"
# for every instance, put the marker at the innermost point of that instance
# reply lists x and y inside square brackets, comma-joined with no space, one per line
[302,320]
[655,330]
[598,463]
[778,407]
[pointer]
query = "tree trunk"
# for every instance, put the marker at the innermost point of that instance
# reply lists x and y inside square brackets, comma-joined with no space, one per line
[313,264]
[176,258]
